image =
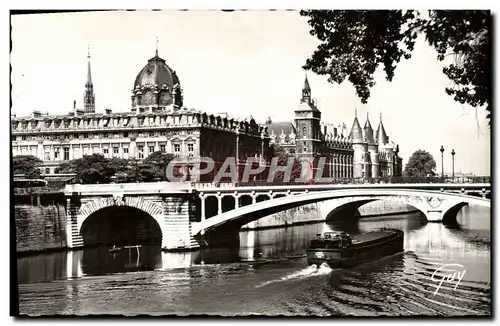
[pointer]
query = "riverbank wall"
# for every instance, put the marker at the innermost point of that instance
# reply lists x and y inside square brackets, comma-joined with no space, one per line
[40,221]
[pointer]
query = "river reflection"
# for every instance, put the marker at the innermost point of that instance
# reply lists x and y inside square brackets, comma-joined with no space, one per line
[469,237]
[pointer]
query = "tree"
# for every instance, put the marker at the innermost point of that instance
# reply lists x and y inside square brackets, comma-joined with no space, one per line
[28,165]
[283,155]
[420,164]
[156,164]
[354,43]
[93,168]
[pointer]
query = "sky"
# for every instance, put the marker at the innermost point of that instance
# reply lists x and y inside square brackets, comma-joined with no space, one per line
[242,63]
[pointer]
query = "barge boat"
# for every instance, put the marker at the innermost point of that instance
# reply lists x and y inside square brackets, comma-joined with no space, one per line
[340,250]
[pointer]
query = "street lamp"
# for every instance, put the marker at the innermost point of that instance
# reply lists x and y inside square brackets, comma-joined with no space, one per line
[442,165]
[453,164]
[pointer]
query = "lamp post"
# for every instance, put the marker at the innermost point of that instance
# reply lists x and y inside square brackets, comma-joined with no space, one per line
[452,164]
[442,164]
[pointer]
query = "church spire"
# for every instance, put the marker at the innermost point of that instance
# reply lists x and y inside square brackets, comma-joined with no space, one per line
[88,97]
[89,75]
[306,91]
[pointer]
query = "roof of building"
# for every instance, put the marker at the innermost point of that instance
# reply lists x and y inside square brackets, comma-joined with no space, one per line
[308,106]
[356,132]
[306,85]
[368,130]
[279,127]
[156,72]
[381,135]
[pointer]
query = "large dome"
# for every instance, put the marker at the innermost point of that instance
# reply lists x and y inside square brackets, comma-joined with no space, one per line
[156,72]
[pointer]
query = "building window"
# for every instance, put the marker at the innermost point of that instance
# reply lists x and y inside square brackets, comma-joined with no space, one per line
[105,135]
[105,151]
[66,154]
[125,134]
[56,153]
[151,149]
[305,150]
[115,150]
[304,131]
[125,151]
[141,151]
[177,148]
[190,147]
[47,156]
[47,170]
[162,148]
[85,136]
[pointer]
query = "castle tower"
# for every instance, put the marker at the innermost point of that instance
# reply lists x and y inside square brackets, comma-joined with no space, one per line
[88,97]
[307,124]
[360,147]
[373,170]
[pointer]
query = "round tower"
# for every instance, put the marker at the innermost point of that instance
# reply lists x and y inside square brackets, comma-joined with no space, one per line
[360,147]
[373,170]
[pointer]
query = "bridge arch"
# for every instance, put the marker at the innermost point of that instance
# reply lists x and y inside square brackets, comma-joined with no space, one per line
[139,207]
[433,204]
[329,209]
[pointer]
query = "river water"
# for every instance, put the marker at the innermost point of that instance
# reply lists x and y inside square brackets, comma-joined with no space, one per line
[268,275]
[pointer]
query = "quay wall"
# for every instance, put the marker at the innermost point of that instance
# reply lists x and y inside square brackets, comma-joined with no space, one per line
[40,222]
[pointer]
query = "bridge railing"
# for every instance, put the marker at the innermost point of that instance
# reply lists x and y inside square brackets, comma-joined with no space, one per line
[346,181]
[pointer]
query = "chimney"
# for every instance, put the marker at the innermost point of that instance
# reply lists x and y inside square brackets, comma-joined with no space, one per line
[74,105]
[108,111]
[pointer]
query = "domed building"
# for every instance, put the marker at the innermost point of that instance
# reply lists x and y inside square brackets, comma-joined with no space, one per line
[156,121]
[156,85]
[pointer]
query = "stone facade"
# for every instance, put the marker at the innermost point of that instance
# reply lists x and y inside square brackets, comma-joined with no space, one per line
[40,223]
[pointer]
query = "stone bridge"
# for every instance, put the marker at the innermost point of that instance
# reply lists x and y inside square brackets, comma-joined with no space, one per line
[188,215]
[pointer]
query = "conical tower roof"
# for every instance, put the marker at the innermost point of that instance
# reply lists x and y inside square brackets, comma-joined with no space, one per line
[381,135]
[306,85]
[356,132]
[368,130]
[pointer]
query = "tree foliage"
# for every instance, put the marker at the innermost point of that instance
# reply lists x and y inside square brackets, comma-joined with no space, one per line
[355,43]
[93,168]
[28,165]
[420,164]
[98,169]
[283,155]
[155,165]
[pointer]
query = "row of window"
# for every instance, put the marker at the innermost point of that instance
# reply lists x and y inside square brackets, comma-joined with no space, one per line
[106,122]
[91,136]
[105,151]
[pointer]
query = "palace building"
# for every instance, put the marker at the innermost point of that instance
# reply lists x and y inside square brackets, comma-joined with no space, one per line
[158,121]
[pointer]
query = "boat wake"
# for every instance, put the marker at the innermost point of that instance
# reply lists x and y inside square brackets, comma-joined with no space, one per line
[309,271]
